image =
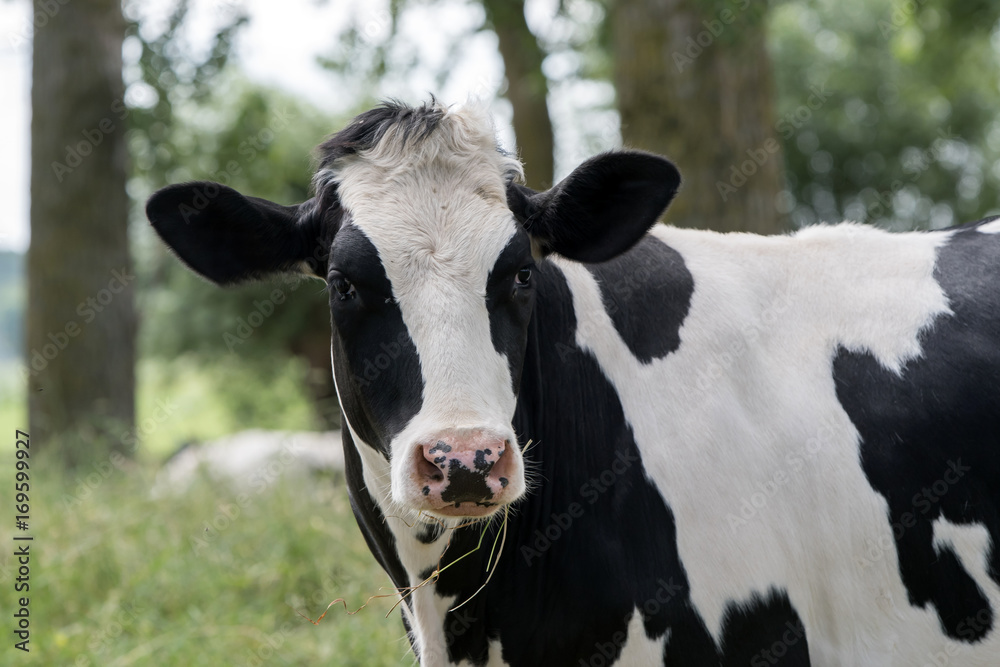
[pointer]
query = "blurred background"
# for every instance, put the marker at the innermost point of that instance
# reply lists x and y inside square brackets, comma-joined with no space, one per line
[121,363]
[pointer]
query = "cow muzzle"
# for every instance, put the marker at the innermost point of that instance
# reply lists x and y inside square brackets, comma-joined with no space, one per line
[466,472]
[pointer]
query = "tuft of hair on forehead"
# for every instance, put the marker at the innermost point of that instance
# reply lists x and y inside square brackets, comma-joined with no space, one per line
[394,135]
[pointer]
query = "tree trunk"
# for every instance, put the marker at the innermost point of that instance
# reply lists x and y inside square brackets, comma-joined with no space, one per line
[80,339]
[694,83]
[527,89]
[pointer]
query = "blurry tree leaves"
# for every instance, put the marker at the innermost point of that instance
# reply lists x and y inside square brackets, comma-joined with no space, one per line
[888,110]
[198,119]
[164,76]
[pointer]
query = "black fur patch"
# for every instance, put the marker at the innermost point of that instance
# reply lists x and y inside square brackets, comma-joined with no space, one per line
[368,129]
[931,438]
[647,292]
[510,305]
[229,238]
[430,532]
[466,486]
[375,361]
[601,209]
[763,632]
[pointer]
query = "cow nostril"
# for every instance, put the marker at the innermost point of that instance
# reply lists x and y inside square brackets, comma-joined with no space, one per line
[429,471]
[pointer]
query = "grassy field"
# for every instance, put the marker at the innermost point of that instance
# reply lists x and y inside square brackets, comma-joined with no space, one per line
[205,577]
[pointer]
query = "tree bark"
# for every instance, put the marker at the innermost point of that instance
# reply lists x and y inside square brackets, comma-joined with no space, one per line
[694,83]
[527,89]
[80,338]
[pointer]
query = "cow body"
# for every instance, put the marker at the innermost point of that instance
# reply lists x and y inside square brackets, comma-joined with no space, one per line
[744,450]
[699,405]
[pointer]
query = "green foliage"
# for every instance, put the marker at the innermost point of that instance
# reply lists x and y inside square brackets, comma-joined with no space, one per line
[887,110]
[205,577]
[183,400]
[197,119]
[163,76]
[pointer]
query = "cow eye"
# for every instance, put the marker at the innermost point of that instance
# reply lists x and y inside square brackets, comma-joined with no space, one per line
[343,286]
[523,278]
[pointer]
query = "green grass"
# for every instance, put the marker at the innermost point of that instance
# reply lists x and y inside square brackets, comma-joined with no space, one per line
[120,578]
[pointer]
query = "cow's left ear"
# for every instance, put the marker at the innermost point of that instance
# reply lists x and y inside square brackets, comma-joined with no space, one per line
[600,210]
[229,238]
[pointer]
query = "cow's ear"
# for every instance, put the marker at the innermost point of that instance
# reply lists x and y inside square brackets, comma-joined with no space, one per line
[229,238]
[600,210]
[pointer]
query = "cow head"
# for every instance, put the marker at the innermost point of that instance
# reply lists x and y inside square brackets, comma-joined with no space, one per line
[428,246]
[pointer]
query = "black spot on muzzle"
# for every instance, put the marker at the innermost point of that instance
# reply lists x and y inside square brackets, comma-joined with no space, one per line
[467,486]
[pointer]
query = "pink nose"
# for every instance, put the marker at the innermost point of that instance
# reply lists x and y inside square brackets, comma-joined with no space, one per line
[463,470]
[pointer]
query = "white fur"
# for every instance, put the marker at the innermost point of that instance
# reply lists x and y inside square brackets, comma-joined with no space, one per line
[741,430]
[989,228]
[639,649]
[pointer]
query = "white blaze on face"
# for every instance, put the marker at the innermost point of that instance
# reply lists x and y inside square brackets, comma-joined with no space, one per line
[435,209]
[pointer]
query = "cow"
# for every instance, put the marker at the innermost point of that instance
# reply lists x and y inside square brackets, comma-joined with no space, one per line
[577,437]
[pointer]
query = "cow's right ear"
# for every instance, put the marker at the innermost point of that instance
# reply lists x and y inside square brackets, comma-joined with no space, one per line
[601,209]
[229,238]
